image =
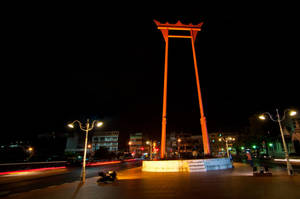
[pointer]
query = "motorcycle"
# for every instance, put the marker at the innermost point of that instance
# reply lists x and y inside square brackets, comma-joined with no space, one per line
[107,177]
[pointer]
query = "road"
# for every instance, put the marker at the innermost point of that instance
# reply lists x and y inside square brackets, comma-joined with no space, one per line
[133,183]
[235,183]
[26,181]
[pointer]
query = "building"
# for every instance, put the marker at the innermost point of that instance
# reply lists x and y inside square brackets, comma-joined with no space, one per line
[184,145]
[74,143]
[137,145]
[296,137]
[107,139]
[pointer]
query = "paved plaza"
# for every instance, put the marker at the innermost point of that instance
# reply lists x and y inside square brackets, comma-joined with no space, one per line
[133,183]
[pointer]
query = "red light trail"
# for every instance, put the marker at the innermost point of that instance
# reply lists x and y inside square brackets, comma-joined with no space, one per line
[31,170]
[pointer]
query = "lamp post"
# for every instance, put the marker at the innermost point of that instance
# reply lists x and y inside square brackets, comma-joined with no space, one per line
[279,120]
[226,139]
[178,146]
[31,152]
[150,148]
[129,146]
[87,128]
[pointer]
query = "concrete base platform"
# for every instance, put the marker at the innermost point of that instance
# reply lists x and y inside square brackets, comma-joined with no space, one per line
[197,165]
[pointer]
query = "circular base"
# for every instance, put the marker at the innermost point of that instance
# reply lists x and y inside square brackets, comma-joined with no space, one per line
[197,165]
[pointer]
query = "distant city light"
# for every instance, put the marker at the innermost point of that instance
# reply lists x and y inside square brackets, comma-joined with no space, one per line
[254,146]
[242,148]
[270,144]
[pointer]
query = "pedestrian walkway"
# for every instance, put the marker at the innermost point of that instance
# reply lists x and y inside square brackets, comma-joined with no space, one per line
[133,183]
[242,169]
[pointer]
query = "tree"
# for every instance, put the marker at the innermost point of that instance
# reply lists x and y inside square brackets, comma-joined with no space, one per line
[293,127]
[257,134]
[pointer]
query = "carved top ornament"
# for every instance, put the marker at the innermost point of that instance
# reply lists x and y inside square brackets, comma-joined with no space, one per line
[178,26]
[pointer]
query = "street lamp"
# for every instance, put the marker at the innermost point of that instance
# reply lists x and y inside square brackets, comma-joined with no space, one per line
[226,139]
[30,152]
[150,148]
[291,113]
[87,128]
[178,146]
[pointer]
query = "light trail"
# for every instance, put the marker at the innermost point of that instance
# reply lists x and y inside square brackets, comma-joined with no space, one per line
[31,170]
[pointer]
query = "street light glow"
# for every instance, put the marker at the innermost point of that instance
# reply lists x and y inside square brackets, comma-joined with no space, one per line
[270,144]
[279,120]
[293,113]
[88,127]
[262,117]
[99,124]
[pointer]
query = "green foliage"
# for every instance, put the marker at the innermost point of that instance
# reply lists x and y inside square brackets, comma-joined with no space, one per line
[256,133]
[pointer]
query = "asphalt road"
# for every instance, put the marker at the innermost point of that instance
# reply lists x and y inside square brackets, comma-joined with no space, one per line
[236,183]
[26,181]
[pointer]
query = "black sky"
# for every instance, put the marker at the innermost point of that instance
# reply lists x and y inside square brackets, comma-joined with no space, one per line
[62,67]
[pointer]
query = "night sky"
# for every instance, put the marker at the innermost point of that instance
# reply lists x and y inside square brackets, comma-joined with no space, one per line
[62,67]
